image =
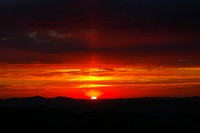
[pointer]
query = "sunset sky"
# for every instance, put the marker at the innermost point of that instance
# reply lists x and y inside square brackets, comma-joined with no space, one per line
[102,48]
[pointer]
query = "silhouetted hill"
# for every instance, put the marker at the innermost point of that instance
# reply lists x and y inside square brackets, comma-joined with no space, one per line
[63,114]
[150,106]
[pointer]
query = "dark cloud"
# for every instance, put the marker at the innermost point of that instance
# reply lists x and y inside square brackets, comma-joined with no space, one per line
[169,56]
[151,15]
[41,42]
[142,31]
[44,47]
[141,13]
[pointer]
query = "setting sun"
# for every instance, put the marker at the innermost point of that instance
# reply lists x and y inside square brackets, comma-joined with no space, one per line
[93,98]
[93,94]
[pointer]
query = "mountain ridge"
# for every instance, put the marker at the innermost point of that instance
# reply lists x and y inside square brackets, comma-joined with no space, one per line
[151,106]
[60,114]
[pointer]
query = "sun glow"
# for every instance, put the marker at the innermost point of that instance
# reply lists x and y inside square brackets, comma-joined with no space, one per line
[93,93]
[93,86]
[91,78]
[93,98]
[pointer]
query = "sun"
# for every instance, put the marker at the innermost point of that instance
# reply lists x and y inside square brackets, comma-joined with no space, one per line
[93,98]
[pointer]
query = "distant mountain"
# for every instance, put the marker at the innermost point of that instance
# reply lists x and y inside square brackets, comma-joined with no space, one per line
[62,114]
[150,106]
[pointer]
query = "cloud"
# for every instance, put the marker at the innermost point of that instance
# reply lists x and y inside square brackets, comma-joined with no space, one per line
[59,35]
[56,27]
[117,31]
[5,90]
[3,86]
[5,39]
[149,56]
[33,35]
[21,88]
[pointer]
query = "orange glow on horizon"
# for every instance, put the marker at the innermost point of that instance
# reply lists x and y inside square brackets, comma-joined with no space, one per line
[93,98]
[101,82]
[93,86]
[91,78]
[93,93]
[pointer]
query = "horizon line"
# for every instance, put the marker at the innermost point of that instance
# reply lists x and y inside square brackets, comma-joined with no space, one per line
[124,98]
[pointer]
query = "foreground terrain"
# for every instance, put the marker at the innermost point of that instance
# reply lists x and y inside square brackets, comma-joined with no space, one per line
[63,114]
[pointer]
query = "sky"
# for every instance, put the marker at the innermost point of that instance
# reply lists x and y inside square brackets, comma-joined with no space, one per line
[102,48]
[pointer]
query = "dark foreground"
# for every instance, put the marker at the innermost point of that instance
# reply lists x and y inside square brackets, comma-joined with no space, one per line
[61,114]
